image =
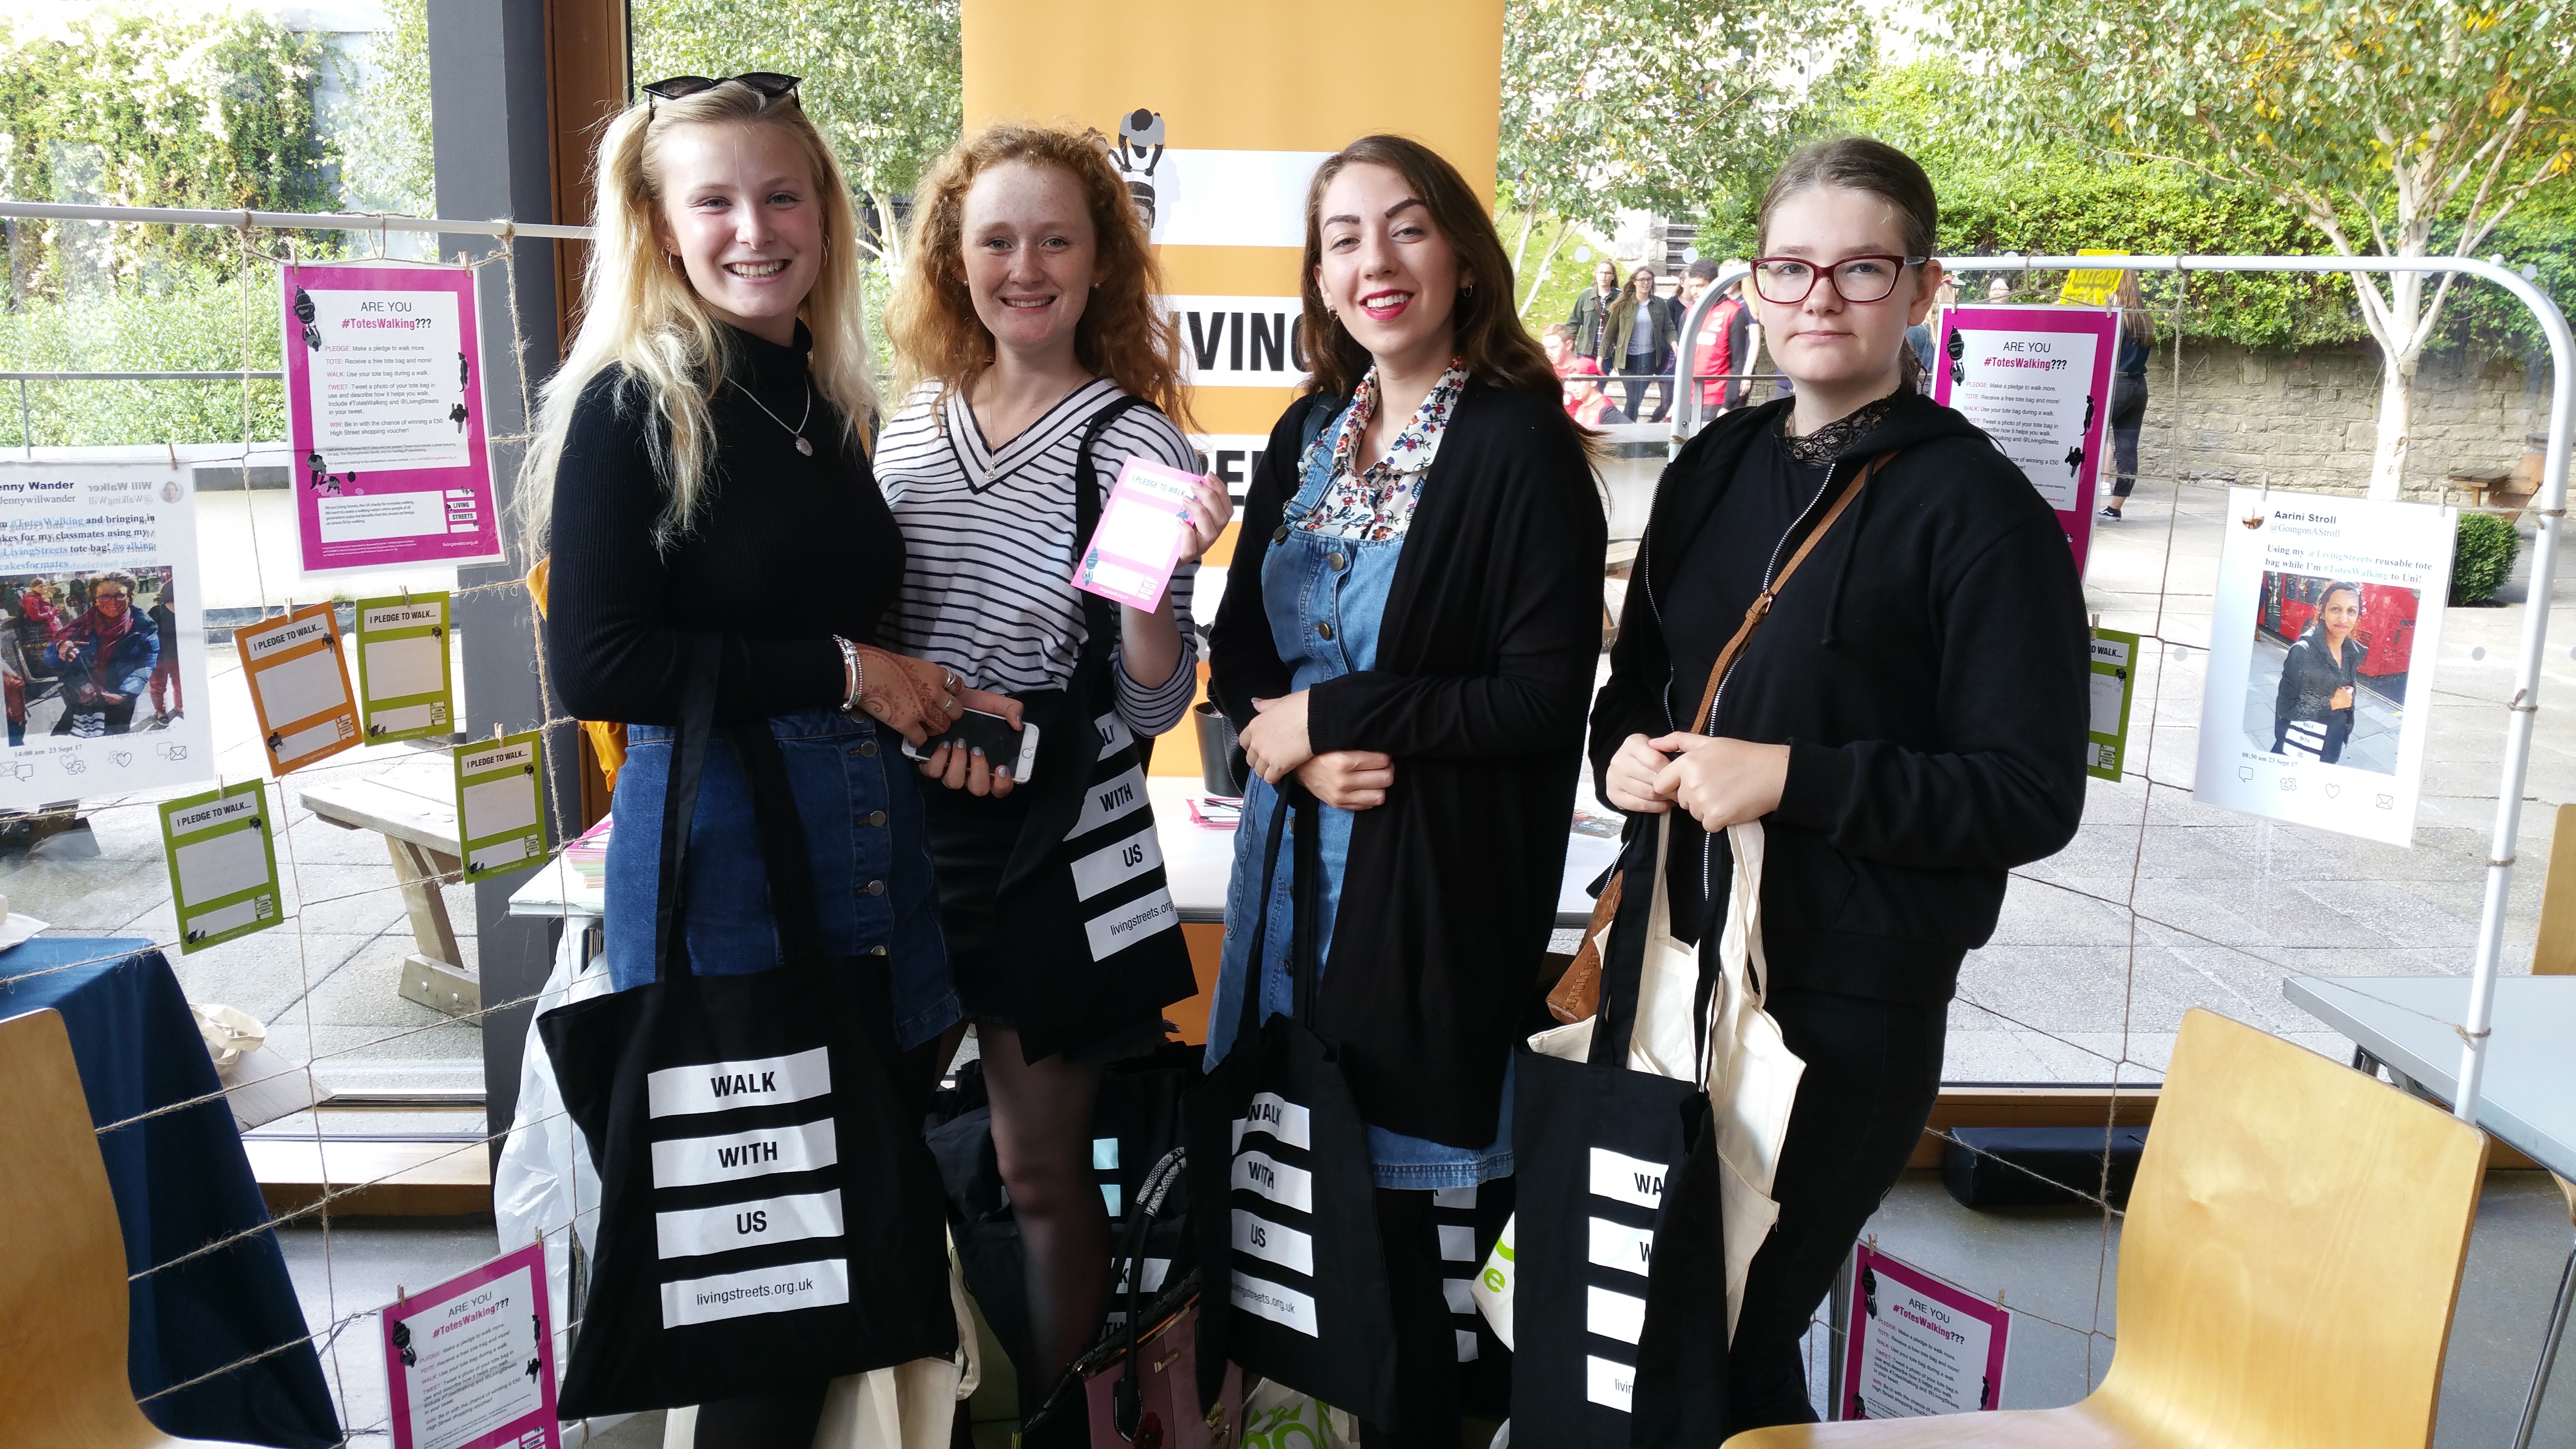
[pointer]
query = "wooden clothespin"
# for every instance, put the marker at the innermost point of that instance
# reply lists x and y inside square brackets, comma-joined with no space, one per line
[406,593]
[496,731]
[2097,626]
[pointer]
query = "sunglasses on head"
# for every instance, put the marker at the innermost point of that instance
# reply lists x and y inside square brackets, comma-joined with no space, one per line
[679,87]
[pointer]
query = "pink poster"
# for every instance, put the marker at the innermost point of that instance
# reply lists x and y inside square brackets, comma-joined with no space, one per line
[469,1364]
[2038,380]
[384,406]
[1917,1345]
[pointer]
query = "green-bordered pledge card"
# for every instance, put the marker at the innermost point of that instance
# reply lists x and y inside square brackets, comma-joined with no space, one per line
[223,866]
[404,685]
[501,804]
[2115,683]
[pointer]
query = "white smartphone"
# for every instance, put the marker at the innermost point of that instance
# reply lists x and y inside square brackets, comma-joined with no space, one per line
[994,736]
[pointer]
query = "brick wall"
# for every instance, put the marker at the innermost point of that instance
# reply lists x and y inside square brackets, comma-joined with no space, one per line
[2309,419]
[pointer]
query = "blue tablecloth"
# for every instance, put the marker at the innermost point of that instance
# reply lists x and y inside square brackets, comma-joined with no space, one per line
[181,1181]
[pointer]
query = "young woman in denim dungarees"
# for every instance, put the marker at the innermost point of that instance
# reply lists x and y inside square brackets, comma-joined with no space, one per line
[701,466]
[1408,636]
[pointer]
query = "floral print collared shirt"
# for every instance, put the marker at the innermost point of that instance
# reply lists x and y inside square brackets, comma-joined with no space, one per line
[1376,503]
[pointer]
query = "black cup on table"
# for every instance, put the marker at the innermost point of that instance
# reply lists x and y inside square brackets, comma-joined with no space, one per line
[1220,752]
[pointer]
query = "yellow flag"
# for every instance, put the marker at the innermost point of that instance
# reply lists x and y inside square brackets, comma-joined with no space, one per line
[2090,286]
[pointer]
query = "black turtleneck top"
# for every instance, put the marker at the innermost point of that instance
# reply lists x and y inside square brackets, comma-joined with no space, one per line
[785,552]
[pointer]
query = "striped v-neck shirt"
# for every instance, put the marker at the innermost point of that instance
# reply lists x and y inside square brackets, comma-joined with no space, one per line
[989,546]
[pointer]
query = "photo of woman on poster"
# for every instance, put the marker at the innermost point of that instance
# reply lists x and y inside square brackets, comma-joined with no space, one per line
[2341,681]
[2320,672]
[83,650]
[105,660]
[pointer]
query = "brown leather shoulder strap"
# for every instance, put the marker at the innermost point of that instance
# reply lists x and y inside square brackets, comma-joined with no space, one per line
[1761,606]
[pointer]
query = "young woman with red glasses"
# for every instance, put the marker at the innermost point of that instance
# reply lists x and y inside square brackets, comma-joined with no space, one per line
[1907,723]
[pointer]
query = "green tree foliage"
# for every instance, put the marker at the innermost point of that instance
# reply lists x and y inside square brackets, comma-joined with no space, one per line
[191,322]
[1618,104]
[2375,121]
[388,163]
[884,79]
[125,107]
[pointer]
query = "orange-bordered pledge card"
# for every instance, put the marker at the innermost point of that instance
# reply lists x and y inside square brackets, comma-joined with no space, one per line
[299,683]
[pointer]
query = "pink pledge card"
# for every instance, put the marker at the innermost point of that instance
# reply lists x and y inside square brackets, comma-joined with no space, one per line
[469,1364]
[1143,528]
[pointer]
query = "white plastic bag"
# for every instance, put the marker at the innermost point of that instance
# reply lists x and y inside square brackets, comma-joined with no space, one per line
[544,1182]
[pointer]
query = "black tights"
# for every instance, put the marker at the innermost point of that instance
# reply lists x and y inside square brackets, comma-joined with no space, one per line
[1042,1142]
[1426,1338]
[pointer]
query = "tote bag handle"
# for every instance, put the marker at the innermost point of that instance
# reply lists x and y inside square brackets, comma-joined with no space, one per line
[773,813]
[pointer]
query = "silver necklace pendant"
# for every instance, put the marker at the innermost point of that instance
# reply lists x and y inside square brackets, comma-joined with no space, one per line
[804,447]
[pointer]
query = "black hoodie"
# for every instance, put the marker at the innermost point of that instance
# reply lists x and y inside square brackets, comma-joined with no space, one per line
[1927,668]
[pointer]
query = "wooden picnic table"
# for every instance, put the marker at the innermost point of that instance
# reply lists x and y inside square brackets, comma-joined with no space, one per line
[413,806]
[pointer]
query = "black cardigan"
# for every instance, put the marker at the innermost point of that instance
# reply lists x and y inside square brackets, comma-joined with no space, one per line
[1926,667]
[1491,632]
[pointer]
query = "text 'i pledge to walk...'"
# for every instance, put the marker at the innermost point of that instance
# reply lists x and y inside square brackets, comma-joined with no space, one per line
[384,404]
[222,859]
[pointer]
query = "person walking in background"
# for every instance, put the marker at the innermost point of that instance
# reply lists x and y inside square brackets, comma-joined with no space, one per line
[2128,389]
[1907,725]
[105,658]
[1724,340]
[1639,340]
[165,671]
[1407,635]
[1025,315]
[1585,402]
[1592,311]
[1558,343]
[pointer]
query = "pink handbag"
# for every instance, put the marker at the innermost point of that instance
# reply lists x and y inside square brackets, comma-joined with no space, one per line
[1163,1372]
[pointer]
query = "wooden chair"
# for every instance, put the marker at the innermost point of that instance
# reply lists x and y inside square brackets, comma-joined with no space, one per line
[63,1383]
[2288,1268]
[2553,953]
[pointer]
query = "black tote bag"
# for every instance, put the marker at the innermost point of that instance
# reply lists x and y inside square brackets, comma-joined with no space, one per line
[1620,1296]
[770,1216]
[1283,1200]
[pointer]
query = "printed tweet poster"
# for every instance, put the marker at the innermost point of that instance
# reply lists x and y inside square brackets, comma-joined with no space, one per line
[1919,1346]
[2115,684]
[2327,626]
[469,1365]
[299,684]
[404,681]
[102,645]
[223,865]
[501,804]
[384,404]
[2038,380]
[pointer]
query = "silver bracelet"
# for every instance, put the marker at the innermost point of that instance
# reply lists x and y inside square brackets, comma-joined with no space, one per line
[850,670]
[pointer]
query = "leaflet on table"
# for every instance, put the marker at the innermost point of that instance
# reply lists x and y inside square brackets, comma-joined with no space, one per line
[2326,629]
[299,685]
[468,1364]
[1918,1346]
[384,403]
[223,864]
[403,676]
[501,804]
[2038,380]
[1143,527]
[102,640]
[2114,683]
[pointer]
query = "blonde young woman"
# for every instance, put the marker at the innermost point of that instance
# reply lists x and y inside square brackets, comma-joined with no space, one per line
[1027,337]
[701,468]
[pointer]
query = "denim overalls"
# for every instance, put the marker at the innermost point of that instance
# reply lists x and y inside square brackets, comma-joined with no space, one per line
[1325,598]
[859,804]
